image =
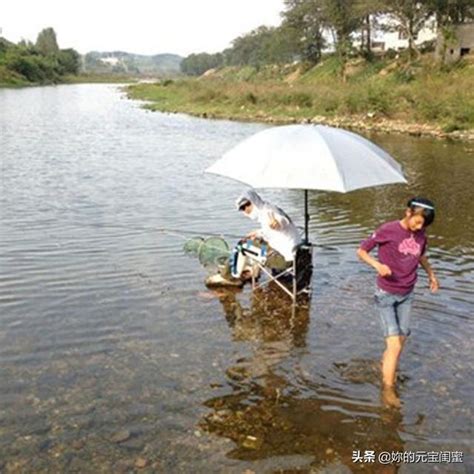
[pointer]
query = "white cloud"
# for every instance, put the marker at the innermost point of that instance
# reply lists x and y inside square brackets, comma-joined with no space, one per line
[139,26]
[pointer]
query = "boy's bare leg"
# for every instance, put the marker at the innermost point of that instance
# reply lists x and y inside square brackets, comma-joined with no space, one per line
[393,350]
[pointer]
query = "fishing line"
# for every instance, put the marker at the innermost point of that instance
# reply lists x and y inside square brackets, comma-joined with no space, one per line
[172,231]
[183,233]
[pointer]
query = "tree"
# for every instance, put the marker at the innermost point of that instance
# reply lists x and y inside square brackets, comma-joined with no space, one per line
[368,11]
[26,44]
[279,46]
[449,12]
[69,61]
[264,45]
[247,49]
[410,17]
[312,17]
[303,20]
[197,64]
[24,59]
[46,42]
[343,19]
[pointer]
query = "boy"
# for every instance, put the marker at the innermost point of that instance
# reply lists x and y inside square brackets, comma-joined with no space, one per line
[277,230]
[401,248]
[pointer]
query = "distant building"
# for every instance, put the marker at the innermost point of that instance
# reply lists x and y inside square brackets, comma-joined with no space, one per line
[397,40]
[113,61]
[461,45]
[387,35]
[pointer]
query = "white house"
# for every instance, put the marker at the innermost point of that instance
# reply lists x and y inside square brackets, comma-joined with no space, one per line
[113,61]
[398,40]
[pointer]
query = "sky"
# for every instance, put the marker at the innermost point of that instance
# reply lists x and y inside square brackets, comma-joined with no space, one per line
[138,26]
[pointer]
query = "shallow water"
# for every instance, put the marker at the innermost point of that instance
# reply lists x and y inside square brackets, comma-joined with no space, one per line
[112,351]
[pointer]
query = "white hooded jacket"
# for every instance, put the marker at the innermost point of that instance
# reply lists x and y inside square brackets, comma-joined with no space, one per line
[283,240]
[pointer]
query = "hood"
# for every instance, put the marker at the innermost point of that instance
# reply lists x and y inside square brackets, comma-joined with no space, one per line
[253,197]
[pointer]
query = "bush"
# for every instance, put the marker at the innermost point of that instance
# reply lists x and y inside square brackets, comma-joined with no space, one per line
[427,46]
[251,98]
[430,109]
[452,127]
[404,76]
[210,95]
[246,73]
[391,54]
[69,61]
[31,67]
[379,100]
[299,99]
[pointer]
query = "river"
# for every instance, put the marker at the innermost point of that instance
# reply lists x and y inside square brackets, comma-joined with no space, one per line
[114,355]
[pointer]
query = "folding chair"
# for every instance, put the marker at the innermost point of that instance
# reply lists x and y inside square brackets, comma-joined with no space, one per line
[299,273]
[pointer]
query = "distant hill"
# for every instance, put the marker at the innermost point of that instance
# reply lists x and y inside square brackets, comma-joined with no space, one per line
[120,62]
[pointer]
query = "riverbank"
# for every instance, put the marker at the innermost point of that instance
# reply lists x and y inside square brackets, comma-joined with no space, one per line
[100,79]
[13,81]
[388,96]
[10,78]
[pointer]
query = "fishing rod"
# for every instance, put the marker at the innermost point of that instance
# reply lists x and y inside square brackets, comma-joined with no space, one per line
[183,233]
[178,232]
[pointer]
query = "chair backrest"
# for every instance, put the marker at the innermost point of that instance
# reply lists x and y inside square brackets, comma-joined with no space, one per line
[303,265]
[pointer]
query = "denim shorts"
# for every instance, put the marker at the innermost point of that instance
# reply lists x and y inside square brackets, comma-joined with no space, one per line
[394,311]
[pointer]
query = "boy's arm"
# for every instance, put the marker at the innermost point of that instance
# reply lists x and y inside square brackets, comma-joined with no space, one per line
[434,284]
[276,221]
[382,270]
[255,234]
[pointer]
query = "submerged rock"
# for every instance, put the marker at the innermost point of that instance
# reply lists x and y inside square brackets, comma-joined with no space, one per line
[120,436]
[141,462]
[252,442]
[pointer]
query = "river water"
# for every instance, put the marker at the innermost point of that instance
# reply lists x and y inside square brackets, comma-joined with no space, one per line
[113,355]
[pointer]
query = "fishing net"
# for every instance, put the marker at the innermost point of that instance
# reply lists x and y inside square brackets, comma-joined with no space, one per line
[214,251]
[193,245]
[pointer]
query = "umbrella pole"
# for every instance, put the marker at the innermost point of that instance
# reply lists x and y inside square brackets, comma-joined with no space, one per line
[306,217]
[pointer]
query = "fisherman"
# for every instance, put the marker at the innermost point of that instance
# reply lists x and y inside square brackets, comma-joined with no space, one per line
[275,242]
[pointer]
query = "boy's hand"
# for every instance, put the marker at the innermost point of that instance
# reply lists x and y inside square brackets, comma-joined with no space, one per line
[274,224]
[252,235]
[434,284]
[383,270]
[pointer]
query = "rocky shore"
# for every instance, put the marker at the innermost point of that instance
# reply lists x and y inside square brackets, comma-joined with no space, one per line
[370,122]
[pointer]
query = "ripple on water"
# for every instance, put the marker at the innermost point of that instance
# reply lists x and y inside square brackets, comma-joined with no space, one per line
[106,328]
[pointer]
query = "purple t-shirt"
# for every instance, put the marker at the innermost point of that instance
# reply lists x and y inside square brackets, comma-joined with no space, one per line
[401,250]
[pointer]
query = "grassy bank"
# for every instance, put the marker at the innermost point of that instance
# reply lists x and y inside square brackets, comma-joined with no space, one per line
[99,79]
[10,79]
[417,97]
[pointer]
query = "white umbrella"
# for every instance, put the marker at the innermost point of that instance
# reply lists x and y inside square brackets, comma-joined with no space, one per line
[308,157]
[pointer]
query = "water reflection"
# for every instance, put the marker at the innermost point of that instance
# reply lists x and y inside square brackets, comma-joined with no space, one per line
[272,408]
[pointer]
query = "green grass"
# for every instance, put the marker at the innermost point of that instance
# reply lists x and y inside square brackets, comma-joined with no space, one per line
[9,78]
[98,78]
[413,93]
